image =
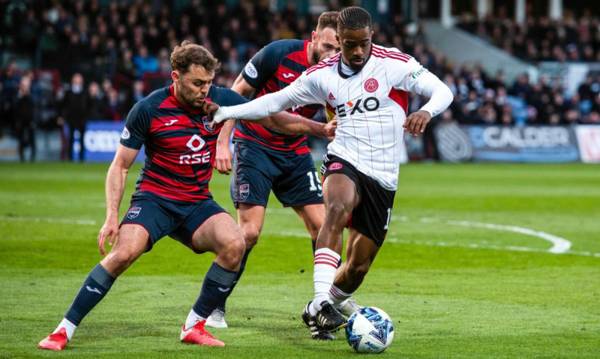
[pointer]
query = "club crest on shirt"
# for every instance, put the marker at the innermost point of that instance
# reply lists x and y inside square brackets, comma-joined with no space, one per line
[243,191]
[134,212]
[371,85]
[335,166]
[210,127]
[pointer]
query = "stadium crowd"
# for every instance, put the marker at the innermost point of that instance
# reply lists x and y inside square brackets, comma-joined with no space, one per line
[539,38]
[109,57]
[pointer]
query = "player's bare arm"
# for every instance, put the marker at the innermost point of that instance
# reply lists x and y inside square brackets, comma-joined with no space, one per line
[115,186]
[293,124]
[223,156]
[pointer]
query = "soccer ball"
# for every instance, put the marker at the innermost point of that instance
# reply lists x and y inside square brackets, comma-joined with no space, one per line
[369,330]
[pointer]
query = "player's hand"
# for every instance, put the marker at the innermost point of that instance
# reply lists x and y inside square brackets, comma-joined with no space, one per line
[416,122]
[329,129]
[110,231]
[214,112]
[209,107]
[223,158]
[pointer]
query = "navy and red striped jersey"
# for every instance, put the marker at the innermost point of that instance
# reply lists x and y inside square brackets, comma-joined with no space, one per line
[274,67]
[179,142]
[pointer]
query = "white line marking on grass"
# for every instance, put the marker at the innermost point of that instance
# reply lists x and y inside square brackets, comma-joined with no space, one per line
[481,245]
[559,244]
[83,222]
[486,246]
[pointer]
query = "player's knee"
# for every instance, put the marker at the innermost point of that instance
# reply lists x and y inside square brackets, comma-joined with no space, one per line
[231,252]
[118,261]
[251,233]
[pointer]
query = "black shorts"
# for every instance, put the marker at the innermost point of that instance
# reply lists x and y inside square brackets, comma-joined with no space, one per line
[258,170]
[162,217]
[372,215]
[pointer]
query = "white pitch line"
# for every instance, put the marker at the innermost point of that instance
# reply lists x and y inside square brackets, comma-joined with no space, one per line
[558,248]
[83,222]
[303,234]
[559,244]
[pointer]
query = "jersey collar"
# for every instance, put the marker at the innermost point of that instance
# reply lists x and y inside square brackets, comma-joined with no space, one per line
[306,42]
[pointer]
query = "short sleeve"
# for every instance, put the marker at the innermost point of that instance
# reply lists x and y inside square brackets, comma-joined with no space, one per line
[136,127]
[262,66]
[228,97]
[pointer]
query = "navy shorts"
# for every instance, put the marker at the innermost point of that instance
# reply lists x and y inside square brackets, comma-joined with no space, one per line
[374,211]
[258,170]
[162,217]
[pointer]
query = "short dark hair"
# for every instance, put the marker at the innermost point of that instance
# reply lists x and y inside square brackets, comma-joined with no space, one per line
[189,53]
[354,18]
[328,19]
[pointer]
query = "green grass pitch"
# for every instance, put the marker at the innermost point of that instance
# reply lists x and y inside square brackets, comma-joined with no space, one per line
[465,272]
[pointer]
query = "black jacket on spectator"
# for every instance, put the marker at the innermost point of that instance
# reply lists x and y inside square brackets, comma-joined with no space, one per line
[75,112]
[75,109]
[23,122]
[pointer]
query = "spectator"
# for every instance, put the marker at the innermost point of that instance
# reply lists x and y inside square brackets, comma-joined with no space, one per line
[74,113]
[115,108]
[98,107]
[145,63]
[101,38]
[567,39]
[23,119]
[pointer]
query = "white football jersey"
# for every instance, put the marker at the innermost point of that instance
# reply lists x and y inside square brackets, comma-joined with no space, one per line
[371,107]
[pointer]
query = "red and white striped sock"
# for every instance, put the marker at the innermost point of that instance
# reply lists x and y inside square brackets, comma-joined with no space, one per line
[326,263]
[337,295]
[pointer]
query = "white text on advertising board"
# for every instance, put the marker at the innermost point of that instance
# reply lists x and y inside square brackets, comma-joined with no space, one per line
[102,140]
[518,137]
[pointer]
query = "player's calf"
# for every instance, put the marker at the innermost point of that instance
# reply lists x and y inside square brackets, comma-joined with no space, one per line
[94,288]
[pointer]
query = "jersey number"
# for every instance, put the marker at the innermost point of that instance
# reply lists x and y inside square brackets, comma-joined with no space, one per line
[313,181]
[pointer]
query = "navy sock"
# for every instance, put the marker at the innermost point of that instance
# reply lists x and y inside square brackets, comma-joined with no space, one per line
[215,289]
[94,288]
[221,305]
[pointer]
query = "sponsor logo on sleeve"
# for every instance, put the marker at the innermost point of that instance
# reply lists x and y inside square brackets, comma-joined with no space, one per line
[125,134]
[250,70]
[417,73]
